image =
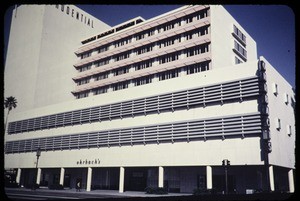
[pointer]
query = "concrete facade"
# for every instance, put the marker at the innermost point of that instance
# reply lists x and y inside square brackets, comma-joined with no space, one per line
[44,53]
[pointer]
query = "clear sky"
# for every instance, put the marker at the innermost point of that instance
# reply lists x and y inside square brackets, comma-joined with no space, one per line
[271,26]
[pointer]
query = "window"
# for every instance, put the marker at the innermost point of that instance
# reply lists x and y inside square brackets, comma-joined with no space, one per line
[197,50]
[169,41]
[202,31]
[100,90]
[83,81]
[121,56]
[120,71]
[103,48]
[143,64]
[101,76]
[168,58]
[169,25]
[199,67]
[196,32]
[141,35]
[286,98]
[82,95]
[275,89]
[237,60]
[189,19]
[239,35]
[151,32]
[85,67]
[101,62]
[144,49]
[278,124]
[202,14]
[123,41]
[238,49]
[143,80]
[85,55]
[289,130]
[168,74]
[120,85]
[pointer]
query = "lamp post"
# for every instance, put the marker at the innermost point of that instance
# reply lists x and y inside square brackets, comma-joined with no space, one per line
[38,154]
[225,164]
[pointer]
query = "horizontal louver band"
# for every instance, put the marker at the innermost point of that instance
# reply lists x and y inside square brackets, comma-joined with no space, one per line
[197,97]
[221,127]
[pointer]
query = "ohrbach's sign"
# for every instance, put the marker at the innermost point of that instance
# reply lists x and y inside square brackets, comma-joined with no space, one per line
[95,161]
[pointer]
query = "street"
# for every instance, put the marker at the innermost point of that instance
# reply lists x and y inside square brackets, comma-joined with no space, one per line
[18,195]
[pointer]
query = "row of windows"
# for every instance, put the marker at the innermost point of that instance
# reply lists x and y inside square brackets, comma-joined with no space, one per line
[169,41]
[171,25]
[168,74]
[123,85]
[196,32]
[164,27]
[240,126]
[123,41]
[169,57]
[238,90]
[85,55]
[121,56]
[143,64]
[144,49]
[101,76]
[100,90]
[83,81]
[200,49]
[103,48]
[194,68]
[143,80]
[101,62]
[85,67]
[288,127]
[286,98]
[148,48]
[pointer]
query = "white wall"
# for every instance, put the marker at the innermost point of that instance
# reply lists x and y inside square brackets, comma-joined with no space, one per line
[283,146]
[40,57]
[23,51]
[223,41]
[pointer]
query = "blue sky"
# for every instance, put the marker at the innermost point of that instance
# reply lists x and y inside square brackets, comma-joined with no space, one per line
[271,26]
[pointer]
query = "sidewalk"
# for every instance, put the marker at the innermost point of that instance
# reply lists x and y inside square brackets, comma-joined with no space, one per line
[113,193]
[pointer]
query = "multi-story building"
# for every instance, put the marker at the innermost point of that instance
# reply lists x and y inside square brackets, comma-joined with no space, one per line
[159,102]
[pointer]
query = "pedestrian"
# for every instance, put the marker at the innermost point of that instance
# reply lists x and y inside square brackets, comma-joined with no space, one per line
[78,186]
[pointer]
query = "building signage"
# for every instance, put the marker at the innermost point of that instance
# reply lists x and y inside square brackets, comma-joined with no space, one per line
[95,161]
[75,14]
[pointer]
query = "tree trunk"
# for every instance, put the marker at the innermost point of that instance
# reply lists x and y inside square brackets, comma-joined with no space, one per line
[6,120]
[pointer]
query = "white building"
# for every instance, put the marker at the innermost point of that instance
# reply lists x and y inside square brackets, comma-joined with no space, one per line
[159,102]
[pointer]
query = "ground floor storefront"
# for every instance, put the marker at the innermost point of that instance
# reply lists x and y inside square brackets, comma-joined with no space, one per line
[183,179]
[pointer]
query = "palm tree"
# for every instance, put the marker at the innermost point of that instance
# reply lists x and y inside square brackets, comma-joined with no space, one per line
[9,103]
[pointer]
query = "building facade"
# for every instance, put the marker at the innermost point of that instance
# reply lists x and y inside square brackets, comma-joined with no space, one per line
[159,102]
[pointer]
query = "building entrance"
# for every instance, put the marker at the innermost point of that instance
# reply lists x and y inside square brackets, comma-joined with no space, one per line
[219,183]
[27,178]
[135,179]
[67,180]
